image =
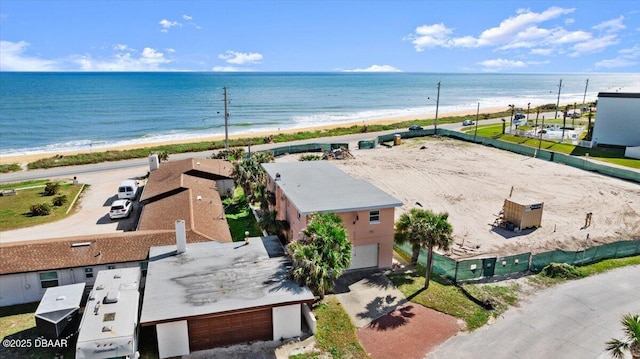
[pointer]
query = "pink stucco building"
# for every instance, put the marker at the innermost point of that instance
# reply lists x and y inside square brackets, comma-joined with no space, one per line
[304,188]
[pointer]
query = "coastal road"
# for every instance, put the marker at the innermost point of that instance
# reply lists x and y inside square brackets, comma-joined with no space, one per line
[141,163]
[571,320]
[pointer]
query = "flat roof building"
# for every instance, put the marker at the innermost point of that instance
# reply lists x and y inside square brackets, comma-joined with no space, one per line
[216,294]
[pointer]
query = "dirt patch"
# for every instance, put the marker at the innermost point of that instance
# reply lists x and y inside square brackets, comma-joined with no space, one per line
[471,182]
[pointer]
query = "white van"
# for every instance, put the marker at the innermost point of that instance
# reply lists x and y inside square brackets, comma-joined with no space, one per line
[128,189]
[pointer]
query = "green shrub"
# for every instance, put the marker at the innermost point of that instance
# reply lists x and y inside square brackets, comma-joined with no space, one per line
[310,157]
[11,167]
[59,200]
[561,270]
[40,209]
[51,188]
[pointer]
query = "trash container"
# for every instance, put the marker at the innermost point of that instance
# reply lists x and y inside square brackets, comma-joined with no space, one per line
[397,140]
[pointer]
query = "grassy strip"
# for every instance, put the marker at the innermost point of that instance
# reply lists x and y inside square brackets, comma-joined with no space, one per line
[10,167]
[239,217]
[541,281]
[14,210]
[25,184]
[609,155]
[441,296]
[336,333]
[96,157]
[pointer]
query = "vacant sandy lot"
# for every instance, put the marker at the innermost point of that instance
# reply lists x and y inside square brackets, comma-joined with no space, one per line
[471,182]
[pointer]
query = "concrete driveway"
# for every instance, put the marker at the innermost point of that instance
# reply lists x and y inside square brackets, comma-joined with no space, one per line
[92,214]
[572,320]
[367,295]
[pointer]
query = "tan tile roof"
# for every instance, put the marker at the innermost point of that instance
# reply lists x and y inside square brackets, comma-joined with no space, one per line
[30,256]
[204,216]
[169,176]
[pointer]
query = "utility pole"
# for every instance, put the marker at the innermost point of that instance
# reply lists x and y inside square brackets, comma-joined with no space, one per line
[226,122]
[558,103]
[585,93]
[435,127]
[477,118]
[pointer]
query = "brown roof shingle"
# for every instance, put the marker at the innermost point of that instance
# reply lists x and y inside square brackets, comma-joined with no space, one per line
[30,256]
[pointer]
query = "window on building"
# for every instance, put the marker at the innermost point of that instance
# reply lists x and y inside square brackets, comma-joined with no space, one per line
[88,272]
[298,216]
[49,279]
[374,217]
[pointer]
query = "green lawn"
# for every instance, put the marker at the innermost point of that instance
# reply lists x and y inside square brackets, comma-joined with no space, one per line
[239,217]
[14,210]
[609,155]
[336,333]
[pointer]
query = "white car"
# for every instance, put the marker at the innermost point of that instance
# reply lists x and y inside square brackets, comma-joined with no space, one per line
[467,122]
[120,209]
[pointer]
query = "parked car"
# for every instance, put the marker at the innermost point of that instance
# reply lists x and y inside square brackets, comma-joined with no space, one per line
[467,122]
[415,128]
[120,208]
[128,189]
[518,116]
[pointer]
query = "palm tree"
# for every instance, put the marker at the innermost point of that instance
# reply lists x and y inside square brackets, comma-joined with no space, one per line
[424,229]
[631,328]
[323,253]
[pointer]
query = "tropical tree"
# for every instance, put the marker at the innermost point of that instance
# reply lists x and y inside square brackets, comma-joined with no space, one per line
[252,178]
[424,229]
[631,342]
[321,256]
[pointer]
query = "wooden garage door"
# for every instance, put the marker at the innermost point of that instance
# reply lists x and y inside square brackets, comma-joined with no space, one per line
[243,327]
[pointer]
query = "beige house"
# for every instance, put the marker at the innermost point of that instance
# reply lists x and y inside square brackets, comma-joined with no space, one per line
[304,188]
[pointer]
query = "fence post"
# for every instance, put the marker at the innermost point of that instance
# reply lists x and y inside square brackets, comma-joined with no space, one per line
[455,275]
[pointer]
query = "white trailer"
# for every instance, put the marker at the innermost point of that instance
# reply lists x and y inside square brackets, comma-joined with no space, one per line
[109,326]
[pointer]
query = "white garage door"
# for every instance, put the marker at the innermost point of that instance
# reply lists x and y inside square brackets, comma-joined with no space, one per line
[365,256]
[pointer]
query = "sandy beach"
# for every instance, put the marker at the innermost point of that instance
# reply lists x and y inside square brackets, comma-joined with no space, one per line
[26,158]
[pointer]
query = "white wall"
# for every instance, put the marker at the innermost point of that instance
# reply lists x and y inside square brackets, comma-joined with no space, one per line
[632,152]
[173,339]
[311,319]
[287,321]
[21,288]
[617,121]
[225,187]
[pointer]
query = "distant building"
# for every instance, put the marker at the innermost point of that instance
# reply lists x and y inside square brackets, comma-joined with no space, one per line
[618,119]
[304,188]
[213,294]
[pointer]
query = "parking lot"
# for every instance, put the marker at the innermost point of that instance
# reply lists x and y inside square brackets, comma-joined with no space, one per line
[92,212]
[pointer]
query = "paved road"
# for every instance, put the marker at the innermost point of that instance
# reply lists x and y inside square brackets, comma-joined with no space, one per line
[141,163]
[572,320]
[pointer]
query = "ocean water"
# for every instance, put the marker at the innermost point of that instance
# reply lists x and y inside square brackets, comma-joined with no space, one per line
[53,112]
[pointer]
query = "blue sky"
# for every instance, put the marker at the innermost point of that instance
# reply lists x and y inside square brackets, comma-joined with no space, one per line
[408,36]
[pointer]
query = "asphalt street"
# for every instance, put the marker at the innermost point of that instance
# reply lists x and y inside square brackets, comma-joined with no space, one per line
[571,320]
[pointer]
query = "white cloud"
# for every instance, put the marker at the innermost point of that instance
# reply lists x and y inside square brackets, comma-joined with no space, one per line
[166,25]
[501,64]
[229,69]
[631,53]
[541,52]
[376,68]
[241,58]
[625,59]
[187,17]
[594,45]
[126,60]
[511,27]
[13,58]
[569,21]
[613,25]
[615,63]
[511,33]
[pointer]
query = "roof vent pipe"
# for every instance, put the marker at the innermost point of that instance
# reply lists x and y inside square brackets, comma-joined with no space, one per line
[278,176]
[181,237]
